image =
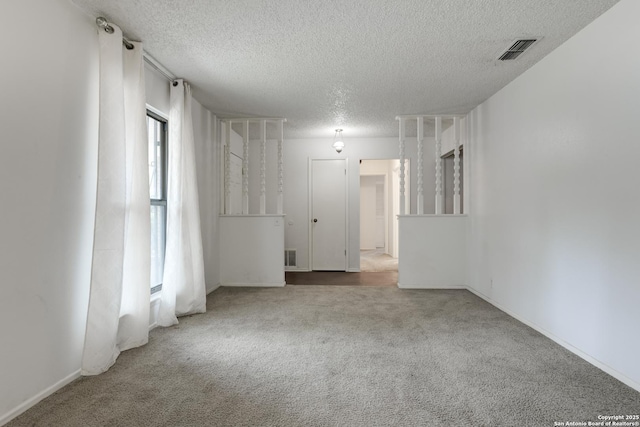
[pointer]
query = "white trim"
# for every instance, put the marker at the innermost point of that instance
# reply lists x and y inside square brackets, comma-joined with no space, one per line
[253,119]
[254,285]
[595,362]
[347,246]
[155,297]
[353,270]
[251,215]
[220,144]
[158,66]
[158,112]
[26,405]
[214,288]
[430,116]
[387,209]
[433,216]
[309,214]
[427,287]
[154,302]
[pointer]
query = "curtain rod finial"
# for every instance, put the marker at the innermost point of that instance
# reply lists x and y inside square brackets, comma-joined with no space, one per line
[103,23]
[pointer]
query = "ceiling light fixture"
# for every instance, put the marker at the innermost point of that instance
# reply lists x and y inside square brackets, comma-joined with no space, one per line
[338,143]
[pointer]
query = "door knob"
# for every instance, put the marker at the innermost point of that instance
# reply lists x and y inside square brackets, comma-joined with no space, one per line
[315,219]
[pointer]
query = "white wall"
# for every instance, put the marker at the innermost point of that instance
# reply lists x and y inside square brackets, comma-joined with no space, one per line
[368,230]
[49,137]
[253,250]
[432,251]
[156,90]
[296,185]
[554,194]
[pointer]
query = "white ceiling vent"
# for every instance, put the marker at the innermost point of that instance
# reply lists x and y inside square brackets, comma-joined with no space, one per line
[516,49]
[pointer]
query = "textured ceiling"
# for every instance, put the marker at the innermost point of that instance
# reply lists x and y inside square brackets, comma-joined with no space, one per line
[353,64]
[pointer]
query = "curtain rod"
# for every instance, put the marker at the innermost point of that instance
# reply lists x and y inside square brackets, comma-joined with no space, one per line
[104,24]
[157,66]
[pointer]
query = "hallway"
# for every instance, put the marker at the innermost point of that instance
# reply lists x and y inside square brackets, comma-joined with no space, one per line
[376,269]
[376,260]
[341,278]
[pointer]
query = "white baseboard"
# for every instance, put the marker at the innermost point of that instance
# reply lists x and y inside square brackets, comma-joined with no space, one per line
[217,285]
[153,310]
[4,419]
[353,270]
[595,362]
[255,285]
[423,286]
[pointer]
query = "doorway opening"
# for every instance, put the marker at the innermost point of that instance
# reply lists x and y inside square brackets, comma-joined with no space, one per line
[379,207]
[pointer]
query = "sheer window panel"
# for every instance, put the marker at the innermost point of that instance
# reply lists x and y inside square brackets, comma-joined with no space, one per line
[158,244]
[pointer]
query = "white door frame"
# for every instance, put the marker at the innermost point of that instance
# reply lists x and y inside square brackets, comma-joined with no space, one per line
[310,208]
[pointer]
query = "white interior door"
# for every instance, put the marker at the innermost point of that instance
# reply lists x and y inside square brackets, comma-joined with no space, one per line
[328,214]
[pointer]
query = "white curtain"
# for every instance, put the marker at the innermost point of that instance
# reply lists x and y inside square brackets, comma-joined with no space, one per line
[183,284]
[118,316]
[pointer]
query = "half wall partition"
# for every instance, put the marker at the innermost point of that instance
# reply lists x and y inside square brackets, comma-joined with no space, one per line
[252,244]
[432,247]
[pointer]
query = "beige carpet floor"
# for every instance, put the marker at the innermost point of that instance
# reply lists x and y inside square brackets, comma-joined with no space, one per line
[373,260]
[341,356]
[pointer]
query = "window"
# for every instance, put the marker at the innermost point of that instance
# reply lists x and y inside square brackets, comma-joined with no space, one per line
[157,131]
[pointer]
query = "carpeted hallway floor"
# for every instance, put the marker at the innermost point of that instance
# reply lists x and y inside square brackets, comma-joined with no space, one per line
[377,260]
[341,356]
